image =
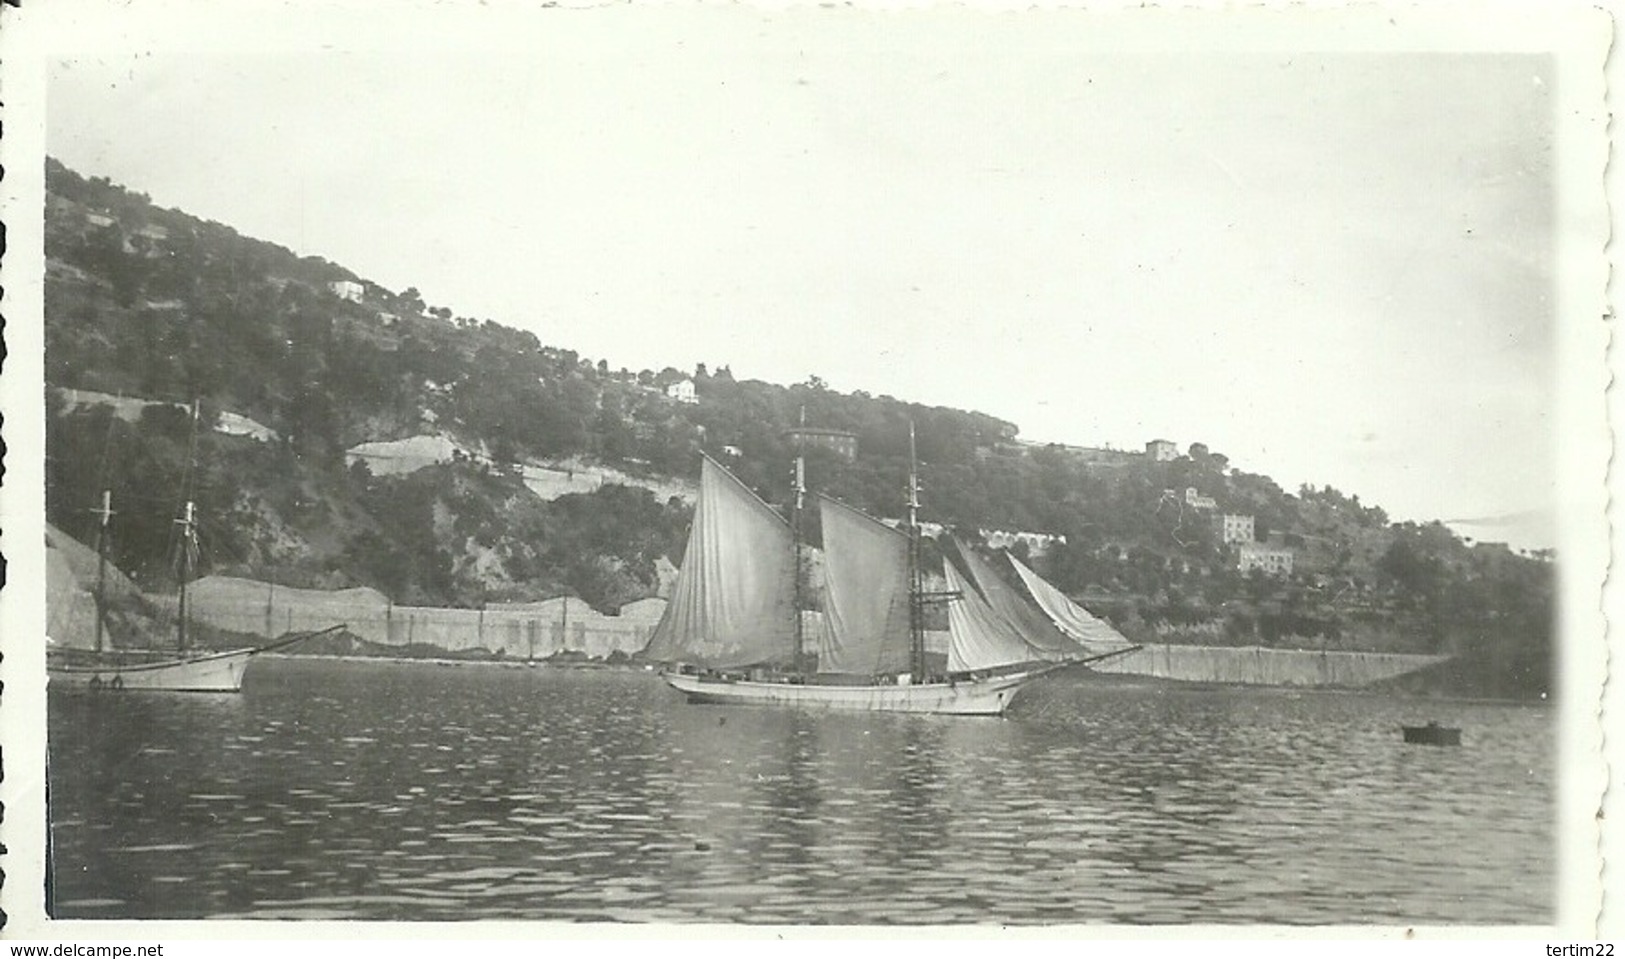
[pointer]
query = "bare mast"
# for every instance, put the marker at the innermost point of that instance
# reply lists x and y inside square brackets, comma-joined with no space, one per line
[799,492]
[106,514]
[188,536]
[916,583]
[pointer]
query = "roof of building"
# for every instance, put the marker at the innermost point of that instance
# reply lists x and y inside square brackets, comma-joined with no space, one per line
[818,431]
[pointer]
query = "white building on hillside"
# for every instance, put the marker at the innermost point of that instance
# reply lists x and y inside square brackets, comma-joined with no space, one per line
[1196,500]
[1038,544]
[682,391]
[347,290]
[928,530]
[1270,559]
[1238,528]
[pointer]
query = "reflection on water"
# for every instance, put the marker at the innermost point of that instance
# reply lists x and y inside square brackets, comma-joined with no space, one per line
[395,791]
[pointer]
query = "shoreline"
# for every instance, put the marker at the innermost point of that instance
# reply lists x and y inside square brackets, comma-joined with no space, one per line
[1124,680]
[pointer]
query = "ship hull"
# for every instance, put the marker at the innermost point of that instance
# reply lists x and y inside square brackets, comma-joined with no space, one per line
[980,697]
[207,673]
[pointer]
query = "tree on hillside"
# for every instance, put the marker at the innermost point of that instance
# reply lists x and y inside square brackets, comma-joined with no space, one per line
[410,302]
[252,327]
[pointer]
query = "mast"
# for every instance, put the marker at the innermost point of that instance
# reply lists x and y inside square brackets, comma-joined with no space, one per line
[106,513]
[798,494]
[188,524]
[188,537]
[916,583]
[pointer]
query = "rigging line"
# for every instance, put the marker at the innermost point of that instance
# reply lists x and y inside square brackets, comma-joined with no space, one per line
[185,495]
[214,543]
[129,497]
[104,471]
[191,455]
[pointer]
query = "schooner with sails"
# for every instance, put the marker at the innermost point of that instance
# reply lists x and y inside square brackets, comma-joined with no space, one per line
[734,629]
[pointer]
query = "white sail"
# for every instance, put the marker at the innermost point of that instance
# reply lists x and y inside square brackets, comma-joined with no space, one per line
[1096,637]
[866,594]
[1048,641]
[734,598]
[69,603]
[70,597]
[866,641]
[978,637]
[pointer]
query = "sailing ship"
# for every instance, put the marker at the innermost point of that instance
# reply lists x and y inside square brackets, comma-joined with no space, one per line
[102,667]
[734,628]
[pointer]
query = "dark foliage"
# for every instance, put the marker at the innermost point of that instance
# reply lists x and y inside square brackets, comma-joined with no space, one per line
[153,303]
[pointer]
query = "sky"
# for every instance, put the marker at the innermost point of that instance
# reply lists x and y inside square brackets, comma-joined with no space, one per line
[1334,268]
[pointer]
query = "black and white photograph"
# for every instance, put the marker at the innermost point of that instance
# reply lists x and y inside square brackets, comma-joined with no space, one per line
[929,469]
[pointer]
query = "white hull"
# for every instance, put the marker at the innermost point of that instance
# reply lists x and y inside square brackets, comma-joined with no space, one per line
[981,697]
[206,673]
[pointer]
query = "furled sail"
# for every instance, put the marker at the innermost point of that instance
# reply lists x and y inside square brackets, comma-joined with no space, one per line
[734,598]
[866,594]
[1047,640]
[978,637]
[1094,636]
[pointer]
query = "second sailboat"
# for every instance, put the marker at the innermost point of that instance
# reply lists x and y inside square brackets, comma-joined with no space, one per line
[733,628]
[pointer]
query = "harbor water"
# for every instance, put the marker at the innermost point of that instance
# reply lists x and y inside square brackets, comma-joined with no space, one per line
[401,791]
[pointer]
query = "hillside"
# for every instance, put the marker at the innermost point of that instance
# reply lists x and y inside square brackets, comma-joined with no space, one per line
[298,362]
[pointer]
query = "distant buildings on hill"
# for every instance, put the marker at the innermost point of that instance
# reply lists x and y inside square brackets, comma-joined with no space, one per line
[927,529]
[348,290]
[682,391]
[1196,500]
[1161,451]
[1236,528]
[840,442]
[1156,451]
[1277,561]
[1038,544]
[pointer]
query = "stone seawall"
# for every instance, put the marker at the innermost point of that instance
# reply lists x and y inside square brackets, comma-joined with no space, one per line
[513,629]
[524,630]
[1260,666]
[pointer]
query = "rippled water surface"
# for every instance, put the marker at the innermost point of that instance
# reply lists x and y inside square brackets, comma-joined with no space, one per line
[409,791]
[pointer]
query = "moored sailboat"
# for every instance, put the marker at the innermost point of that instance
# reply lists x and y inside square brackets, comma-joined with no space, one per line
[71,661]
[733,625]
[81,652]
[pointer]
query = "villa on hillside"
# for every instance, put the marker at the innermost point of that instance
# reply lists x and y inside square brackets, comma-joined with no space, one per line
[1196,500]
[1161,451]
[682,391]
[838,441]
[1237,528]
[1273,560]
[347,290]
